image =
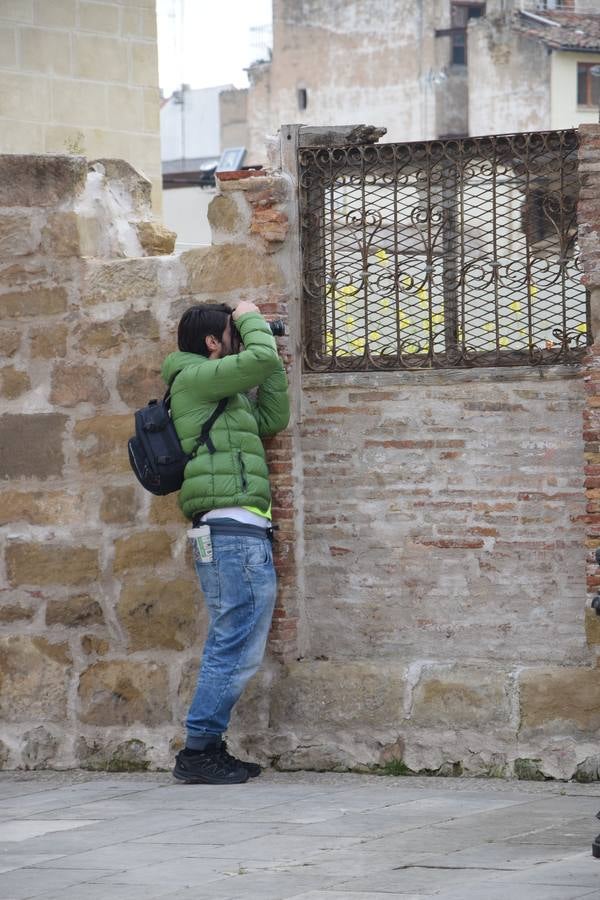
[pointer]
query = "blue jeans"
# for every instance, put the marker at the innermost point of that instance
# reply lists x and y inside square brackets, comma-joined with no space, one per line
[239,588]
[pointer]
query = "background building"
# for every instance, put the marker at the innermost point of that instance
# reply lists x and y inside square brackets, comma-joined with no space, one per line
[190,129]
[436,68]
[81,77]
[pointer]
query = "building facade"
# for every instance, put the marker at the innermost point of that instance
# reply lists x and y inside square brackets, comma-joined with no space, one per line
[427,69]
[81,77]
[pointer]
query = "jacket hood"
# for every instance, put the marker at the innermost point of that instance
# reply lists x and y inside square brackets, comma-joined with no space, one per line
[177,361]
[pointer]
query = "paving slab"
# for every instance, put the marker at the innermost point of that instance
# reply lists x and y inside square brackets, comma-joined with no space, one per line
[295,836]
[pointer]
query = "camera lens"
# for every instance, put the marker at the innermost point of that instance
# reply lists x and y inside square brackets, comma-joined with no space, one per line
[277,328]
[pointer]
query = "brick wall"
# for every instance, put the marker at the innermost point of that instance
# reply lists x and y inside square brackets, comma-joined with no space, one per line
[589,240]
[444,573]
[81,77]
[446,527]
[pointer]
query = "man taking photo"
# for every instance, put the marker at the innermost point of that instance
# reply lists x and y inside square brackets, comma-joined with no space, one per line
[226,493]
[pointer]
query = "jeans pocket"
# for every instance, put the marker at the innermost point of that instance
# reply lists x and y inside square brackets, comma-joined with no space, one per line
[258,552]
[208,576]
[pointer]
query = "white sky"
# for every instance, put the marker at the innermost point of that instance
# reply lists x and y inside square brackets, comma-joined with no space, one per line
[207,42]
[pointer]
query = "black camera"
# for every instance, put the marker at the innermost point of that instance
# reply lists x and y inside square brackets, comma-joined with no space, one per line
[277,328]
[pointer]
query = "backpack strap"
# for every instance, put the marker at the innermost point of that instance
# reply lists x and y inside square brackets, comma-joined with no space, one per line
[204,436]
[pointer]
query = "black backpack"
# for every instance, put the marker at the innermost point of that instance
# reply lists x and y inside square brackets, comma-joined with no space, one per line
[155,454]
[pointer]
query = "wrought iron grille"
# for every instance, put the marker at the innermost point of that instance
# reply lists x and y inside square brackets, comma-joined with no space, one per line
[453,253]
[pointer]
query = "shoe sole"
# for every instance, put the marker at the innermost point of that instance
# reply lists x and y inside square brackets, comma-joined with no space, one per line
[197,779]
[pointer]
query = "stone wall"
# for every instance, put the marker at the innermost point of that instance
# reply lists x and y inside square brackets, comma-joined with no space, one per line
[81,77]
[433,525]
[100,617]
[509,80]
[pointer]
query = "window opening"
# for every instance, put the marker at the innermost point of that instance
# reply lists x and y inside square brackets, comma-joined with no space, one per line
[588,85]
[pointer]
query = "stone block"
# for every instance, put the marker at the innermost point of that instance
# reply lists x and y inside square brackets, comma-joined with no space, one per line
[127,756]
[149,24]
[74,612]
[17,10]
[10,341]
[123,175]
[145,151]
[60,237]
[45,50]
[94,57]
[560,700]
[125,107]
[131,21]
[59,13]
[224,215]
[72,384]
[36,302]
[39,748]
[23,272]
[41,180]
[8,47]
[31,445]
[166,511]
[345,695]
[144,63]
[34,675]
[138,380]
[230,267]
[25,97]
[19,234]
[12,613]
[80,103]
[151,109]
[40,507]
[159,613]
[128,279]
[121,692]
[99,17]
[103,443]
[592,627]
[146,549]
[140,324]
[92,645]
[42,564]
[23,136]
[49,343]
[14,382]
[460,697]
[66,139]
[119,505]
[99,338]
[155,238]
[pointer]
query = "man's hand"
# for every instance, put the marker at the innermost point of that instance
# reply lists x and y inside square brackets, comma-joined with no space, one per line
[244,306]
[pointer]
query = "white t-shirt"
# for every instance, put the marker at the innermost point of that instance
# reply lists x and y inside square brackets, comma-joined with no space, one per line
[239,514]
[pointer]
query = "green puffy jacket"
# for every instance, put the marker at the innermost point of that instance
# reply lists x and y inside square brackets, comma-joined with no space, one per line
[236,474]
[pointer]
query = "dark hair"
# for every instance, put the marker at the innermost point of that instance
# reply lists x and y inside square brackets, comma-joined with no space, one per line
[198,322]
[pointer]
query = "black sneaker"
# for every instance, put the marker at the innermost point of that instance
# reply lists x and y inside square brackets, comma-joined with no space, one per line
[596,848]
[253,769]
[209,766]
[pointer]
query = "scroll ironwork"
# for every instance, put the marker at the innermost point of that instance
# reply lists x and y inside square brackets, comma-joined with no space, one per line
[442,254]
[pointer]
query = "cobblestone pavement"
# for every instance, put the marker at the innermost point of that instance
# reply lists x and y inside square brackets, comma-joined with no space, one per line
[306,836]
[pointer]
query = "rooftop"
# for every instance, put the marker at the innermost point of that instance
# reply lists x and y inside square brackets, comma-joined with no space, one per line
[561,30]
